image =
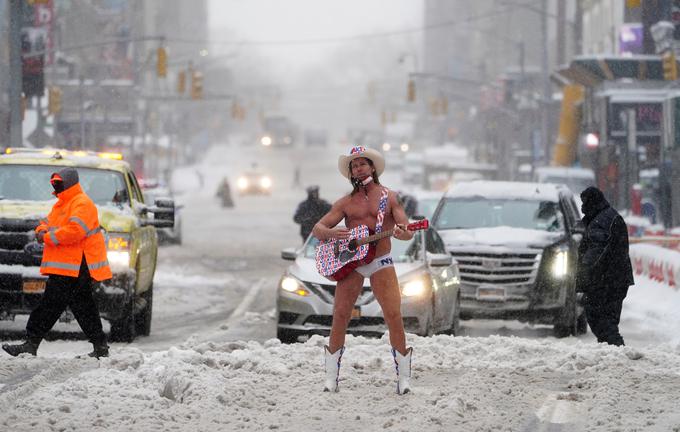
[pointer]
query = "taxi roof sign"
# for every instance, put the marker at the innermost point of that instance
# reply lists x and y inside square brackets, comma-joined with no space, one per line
[59,153]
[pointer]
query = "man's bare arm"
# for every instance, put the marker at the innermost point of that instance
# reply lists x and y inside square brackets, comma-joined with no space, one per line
[326,227]
[400,219]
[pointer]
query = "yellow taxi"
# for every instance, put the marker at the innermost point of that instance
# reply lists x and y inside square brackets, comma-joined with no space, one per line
[129,224]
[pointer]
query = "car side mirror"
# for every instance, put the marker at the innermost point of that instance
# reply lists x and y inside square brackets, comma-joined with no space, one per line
[163,213]
[289,254]
[439,260]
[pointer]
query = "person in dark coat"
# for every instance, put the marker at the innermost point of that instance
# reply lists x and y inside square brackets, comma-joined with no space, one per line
[310,211]
[604,271]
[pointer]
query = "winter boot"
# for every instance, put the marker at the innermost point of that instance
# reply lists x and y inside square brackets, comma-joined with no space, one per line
[332,362]
[100,350]
[402,363]
[30,347]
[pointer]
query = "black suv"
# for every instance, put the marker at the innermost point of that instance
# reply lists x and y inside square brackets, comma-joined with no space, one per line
[516,244]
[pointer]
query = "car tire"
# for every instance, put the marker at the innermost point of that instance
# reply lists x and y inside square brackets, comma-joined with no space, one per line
[143,319]
[566,320]
[581,324]
[124,328]
[286,336]
[455,325]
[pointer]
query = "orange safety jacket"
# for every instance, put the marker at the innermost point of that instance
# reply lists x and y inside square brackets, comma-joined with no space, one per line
[71,230]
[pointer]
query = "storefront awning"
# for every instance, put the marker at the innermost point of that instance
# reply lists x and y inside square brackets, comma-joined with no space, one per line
[590,71]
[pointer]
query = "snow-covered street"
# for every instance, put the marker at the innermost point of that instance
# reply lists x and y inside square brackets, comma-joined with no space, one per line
[212,363]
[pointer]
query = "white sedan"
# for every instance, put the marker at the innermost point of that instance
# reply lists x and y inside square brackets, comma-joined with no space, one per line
[428,279]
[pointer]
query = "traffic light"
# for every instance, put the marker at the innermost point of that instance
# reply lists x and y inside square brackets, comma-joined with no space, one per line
[54,100]
[411,91]
[161,62]
[670,66]
[196,85]
[181,82]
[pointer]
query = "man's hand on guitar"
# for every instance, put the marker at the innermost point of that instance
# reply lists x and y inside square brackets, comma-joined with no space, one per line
[401,233]
[340,233]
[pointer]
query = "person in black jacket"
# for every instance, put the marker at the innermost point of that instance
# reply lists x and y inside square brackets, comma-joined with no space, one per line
[310,211]
[604,271]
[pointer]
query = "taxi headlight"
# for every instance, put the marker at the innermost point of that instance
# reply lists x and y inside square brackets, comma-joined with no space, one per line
[242,183]
[266,141]
[292,285]
[266,182]
[560,264]
[118,249]
[413,288]
[118,258]
[404,147]
[386,147]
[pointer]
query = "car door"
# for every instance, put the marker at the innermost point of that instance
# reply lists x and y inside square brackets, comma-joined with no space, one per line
[146,240]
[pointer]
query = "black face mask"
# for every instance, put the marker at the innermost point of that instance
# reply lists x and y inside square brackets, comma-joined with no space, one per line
[58,186]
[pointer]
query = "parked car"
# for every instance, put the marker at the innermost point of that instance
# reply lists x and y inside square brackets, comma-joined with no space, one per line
[129,225]
[516,245]
[428,279]
[152,190]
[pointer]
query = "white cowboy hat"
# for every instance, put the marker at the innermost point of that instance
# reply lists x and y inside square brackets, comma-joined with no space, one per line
[361,152]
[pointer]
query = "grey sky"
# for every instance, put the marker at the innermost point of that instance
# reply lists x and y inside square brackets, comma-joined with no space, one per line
[278,20]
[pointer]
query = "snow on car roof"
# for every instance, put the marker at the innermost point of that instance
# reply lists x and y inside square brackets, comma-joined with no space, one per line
[506,190]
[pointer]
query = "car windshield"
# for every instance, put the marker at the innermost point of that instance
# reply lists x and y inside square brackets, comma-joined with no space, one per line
[32,183]
[402,251]
[466,213]
[427,206]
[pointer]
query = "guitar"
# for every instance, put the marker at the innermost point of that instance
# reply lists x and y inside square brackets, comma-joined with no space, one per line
[336,258]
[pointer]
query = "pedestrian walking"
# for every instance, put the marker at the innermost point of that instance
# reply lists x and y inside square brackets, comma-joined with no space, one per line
[604,271]
[74,256]
[310,211]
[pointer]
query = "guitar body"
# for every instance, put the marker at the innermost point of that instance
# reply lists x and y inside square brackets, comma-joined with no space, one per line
[335,258]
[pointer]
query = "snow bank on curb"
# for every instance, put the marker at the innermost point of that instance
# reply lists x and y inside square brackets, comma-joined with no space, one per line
[494,383]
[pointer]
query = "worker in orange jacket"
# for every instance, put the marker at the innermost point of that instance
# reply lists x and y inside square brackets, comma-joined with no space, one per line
[74,256]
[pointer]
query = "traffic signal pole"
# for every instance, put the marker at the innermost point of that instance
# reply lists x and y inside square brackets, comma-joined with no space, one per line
[15,77]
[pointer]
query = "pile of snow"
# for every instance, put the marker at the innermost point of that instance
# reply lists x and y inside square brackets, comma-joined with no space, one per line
[461,383]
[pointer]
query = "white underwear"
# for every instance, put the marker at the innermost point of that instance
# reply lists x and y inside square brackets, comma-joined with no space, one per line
[375,265]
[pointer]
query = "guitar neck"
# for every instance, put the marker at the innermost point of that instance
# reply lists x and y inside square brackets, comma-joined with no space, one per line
[375,237]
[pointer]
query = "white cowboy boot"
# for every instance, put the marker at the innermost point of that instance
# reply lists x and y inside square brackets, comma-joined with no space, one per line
[332,362]
[402,364]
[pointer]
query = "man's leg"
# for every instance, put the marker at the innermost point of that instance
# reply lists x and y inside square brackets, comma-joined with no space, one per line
[594,306]
[53,303]
[611,316]
[85,310]
[346,293]
[385,287]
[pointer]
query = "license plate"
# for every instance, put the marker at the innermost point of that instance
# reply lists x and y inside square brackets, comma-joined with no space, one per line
[34,287]
[491,293]
[356,313]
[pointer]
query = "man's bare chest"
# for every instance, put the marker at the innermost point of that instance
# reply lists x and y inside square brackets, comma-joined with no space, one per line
[362,210]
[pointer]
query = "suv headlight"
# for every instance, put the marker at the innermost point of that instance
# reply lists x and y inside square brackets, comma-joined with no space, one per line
[118,249]
[560,264]
[292,285]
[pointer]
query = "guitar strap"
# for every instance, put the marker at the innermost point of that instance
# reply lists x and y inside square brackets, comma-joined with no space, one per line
[382,206]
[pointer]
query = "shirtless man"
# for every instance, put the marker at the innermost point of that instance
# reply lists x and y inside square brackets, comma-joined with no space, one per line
[362,167]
